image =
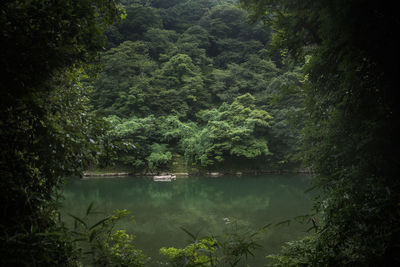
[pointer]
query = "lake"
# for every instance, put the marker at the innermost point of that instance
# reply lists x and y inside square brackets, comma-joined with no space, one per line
[205,204]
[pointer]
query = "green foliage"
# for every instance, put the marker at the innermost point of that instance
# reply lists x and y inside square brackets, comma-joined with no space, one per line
[100,245]
[178,88]
[159,156]
[160,42]
[256,76]
[203,55]
[183,14]
[120,87]
[231,249]
[298,253]
[46,246]
[138,20]
[232,130]
[193,78]
[46,131]
[352,122]
[130,140]
[295,25]
[226,21]
[45,44]
[47,136]
[123,253]
[200,253]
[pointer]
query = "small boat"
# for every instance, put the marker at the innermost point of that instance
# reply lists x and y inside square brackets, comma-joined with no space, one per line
[164,178]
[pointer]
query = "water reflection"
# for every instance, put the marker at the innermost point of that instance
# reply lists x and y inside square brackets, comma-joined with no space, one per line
[201,203]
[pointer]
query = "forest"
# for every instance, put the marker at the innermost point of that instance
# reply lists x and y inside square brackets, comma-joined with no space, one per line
[191,86]
[195,86]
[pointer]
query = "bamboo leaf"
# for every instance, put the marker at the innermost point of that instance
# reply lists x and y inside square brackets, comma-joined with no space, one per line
[99,222]
[92,235]
[78,220]
[283,222]
[89,208]
[189,233]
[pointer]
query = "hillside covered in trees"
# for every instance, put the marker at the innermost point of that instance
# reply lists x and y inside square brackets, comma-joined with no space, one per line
[191,85]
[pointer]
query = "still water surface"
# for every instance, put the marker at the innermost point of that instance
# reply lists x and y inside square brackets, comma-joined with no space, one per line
[198,204]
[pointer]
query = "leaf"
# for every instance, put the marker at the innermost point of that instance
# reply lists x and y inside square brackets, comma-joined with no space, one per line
[235,263]
[309,229]
[248,251]
[265,226]
[254,234]
[303,218]
[92,235]
[189,233]
[89,208]
[78,220]
[99,222]
[77,233]
[283,222]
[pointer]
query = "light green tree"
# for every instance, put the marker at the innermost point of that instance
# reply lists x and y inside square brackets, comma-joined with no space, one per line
[231,131]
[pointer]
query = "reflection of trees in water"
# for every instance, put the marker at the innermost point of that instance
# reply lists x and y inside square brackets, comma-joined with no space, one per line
[195,204]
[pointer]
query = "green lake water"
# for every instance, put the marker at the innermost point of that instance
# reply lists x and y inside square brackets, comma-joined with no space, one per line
[198,204]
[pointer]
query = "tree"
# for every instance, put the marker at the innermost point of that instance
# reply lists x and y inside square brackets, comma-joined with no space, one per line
[194,42]
[33,32]
[43,122]
[161,42]
[179,71]
[120,87]
[184,14]
[353,122]
[178,88]
[138,20]
[225,21]
[253,76]
[232,131]
[232,38]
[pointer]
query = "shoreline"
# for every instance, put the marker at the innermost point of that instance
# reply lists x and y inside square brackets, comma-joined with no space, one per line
[89,174]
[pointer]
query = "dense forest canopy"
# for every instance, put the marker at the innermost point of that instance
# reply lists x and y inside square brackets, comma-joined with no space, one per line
[192,85]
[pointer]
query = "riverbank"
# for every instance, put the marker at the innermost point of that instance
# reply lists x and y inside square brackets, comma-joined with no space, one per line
[105,173]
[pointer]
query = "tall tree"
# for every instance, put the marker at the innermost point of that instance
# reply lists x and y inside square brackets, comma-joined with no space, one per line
[43,122]
[232,132]
[351,135]
[119,87]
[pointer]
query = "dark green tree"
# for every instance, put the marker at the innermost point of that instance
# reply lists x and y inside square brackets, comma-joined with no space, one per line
[120,87]
[184,14]
[161,42]
[178,88]
[138,20]
[44,125]
[351,134]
